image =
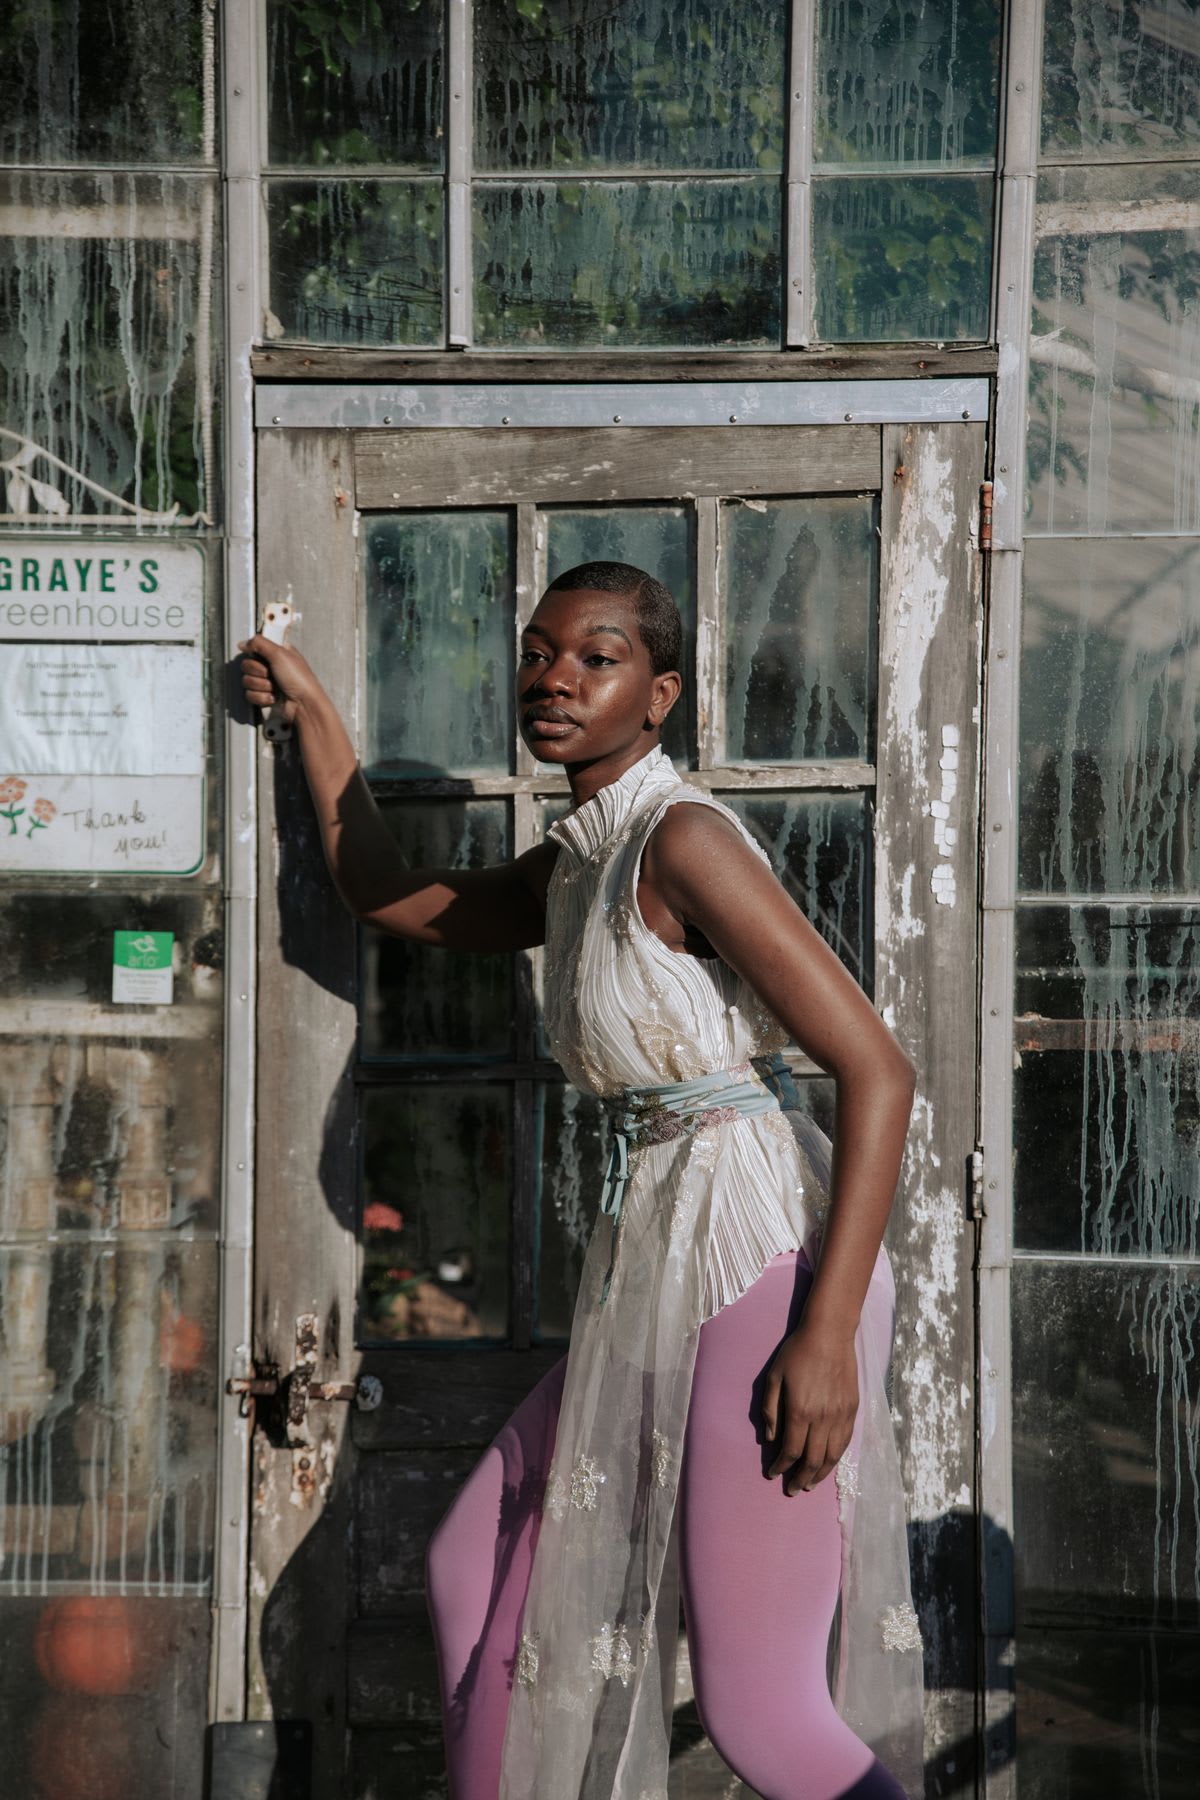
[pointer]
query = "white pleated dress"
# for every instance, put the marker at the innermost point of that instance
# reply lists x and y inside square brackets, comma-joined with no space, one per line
[702,1215]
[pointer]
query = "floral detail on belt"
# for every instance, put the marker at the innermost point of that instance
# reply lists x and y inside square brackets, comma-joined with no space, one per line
[586,1481]
[527,1661]
[899,1629]
[612,1655]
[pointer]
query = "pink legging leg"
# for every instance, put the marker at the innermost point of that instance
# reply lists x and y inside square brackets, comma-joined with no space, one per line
[760,1576]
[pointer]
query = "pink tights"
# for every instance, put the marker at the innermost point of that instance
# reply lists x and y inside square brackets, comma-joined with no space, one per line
[760,1575]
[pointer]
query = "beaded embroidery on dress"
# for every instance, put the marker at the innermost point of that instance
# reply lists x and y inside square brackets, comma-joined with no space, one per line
[703,1212]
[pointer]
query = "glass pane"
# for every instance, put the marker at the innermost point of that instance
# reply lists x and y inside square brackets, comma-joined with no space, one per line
[1110,696]
[571,83]
[109,355]
[1114,427]
[418,1001]
[435,1224]
[819,845]
[659,539]
[800,579]
[1107,1712]
[110,1114]
[439,633]
[355,83]
[109,1412]
[356,262]
[631,262]
[1120,81]
[897,260]
[117,83]
[903,84]
[103,1693]
[574,1139]
[1107,1080]
[1106,1433]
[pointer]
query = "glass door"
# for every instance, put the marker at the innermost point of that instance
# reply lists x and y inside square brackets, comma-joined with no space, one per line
[428,1200]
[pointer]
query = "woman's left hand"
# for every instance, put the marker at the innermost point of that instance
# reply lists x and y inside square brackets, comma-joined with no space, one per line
[810,1403]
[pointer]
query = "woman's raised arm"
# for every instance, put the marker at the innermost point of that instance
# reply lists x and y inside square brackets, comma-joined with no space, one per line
[461,909]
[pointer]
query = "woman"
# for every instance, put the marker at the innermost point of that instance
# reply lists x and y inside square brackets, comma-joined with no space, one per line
[735,1311]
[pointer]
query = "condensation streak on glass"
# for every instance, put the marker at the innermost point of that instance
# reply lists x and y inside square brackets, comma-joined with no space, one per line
[573,1143]
[1114,386]
[439,637]
[820,848]
[437,1178]
[1110,717]
[907,84]
[658,539]
[108,362]
[417,1001]
[609,263]
[356,262]
[1107,1081]
[800,580]
[122,82]
[691,85]
[1121,82]
[355,83]
[902,258]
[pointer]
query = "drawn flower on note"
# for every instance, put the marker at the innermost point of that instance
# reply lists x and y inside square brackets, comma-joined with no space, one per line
[12,789]
[41,813]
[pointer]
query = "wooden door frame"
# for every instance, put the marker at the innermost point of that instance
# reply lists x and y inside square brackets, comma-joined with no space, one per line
[311,486]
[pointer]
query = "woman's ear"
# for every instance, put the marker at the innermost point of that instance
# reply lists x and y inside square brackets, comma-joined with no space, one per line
[666,692]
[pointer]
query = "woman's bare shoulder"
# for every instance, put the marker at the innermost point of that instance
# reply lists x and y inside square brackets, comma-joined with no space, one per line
[692,826]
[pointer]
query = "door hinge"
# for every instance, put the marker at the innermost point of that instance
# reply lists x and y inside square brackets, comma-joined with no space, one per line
[985,517]
[975,1167]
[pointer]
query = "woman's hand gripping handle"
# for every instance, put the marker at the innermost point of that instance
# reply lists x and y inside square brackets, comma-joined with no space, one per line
[275,677]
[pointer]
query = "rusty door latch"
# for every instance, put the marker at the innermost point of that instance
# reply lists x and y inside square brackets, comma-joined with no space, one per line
[298,1389]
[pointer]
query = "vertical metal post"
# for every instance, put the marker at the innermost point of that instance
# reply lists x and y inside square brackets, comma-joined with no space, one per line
[242,116]
[1014,261]
[459,89]
[798,300]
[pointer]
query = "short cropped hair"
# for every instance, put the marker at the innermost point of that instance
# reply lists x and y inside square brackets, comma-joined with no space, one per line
[659,624]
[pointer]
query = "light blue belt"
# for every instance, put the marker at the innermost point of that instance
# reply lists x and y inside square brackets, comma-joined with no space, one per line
[656,1115]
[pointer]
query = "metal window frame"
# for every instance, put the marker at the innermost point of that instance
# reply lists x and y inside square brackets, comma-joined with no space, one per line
[381,406]
[1012,304]
[460,121]
[798,298]
[243,116]
[460,176]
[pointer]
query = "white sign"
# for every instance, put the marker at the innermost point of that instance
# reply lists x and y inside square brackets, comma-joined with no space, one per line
[101,706]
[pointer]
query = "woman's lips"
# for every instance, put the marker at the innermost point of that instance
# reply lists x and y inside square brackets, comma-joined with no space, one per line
[550,728]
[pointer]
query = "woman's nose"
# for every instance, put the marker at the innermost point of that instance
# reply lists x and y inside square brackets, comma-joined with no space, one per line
[556,678]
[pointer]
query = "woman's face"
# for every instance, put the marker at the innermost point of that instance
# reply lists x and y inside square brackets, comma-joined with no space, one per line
[585,687]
